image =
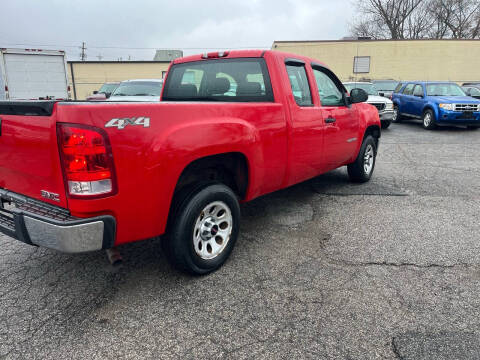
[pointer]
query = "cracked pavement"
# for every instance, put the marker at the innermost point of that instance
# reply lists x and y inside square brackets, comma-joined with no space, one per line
[325,269]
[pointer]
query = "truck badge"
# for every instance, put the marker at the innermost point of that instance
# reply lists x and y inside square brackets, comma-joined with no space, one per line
[49,195]
[121,123]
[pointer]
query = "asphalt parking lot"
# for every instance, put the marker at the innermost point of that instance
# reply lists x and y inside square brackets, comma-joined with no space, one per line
[325,269]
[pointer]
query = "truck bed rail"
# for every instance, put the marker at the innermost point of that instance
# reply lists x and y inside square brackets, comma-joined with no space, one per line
[30,108]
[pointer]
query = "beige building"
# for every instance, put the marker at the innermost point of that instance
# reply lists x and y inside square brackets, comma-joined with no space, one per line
[87,76]
[445,60]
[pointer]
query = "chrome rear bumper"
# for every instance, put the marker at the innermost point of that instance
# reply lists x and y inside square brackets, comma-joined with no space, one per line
[37,223]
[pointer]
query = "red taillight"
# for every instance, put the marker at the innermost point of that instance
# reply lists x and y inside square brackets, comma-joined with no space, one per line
[87,160]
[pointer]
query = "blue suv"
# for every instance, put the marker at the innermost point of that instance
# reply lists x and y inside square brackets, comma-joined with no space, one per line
[435,103]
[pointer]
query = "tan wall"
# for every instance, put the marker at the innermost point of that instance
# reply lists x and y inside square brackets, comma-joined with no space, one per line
[90,76]
[446,60]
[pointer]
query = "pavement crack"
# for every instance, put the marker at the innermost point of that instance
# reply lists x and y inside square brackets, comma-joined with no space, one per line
[399,264]
[395,350]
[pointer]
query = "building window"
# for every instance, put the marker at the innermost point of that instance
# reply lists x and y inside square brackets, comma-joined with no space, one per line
[361,64]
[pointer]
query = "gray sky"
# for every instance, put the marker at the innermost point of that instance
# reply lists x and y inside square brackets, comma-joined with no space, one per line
[118,28]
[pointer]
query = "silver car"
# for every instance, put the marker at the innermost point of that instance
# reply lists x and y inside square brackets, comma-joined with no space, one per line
[383,104]
[138,90]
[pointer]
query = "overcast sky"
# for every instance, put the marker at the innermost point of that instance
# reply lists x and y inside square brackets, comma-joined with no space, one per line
[113,29]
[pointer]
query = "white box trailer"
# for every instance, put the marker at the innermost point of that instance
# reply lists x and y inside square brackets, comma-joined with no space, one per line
[32,74]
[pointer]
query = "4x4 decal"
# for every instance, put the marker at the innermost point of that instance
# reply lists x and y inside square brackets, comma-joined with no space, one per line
[121,123]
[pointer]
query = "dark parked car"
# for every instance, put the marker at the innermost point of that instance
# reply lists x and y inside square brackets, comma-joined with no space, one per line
[385,87]
[472,90]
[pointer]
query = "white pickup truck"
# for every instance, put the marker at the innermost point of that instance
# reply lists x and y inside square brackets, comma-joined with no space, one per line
[33,74]
[383,104]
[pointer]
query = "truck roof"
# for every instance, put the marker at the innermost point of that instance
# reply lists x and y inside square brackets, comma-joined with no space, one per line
[244,54]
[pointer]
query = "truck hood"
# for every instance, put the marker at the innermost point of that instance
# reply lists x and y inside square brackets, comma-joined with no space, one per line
[377,99]
[134,98]
[454,99]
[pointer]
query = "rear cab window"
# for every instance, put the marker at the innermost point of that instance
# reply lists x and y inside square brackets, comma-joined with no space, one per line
[226,80]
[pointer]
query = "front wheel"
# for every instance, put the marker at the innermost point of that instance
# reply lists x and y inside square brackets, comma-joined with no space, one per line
[361,169]
[204,229]
[429,120]
[385,124]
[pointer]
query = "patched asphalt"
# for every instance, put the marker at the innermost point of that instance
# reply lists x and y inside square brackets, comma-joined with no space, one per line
[325,269]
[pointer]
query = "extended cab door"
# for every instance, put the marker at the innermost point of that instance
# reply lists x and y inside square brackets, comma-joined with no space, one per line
[306,123]
[341,120]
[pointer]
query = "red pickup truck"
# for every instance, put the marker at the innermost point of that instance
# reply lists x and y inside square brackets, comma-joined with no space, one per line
[230,126]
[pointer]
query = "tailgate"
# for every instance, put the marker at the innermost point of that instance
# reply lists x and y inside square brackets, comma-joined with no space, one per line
[29,159]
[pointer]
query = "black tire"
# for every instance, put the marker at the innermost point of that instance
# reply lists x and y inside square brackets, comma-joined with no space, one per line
[396,115]
[428,120]
[178,243]
[385,124]
[357,171]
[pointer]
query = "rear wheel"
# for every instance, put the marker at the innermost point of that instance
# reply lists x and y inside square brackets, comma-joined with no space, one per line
[396,118]
[361,169]
[204,229]
[429,120]
[385,124]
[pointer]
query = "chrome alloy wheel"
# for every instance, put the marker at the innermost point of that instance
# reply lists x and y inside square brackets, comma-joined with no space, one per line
[212,230]
[368,159]
[395,114]
[427,119]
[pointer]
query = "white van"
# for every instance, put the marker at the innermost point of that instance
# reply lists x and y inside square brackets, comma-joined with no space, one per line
[33,74]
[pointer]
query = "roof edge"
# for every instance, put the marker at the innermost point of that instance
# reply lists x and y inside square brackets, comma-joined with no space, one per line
[365,40]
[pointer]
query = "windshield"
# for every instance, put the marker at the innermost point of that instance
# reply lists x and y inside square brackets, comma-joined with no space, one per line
[107,88]
[369,88]
[385,85]
[138,88]
[444,90]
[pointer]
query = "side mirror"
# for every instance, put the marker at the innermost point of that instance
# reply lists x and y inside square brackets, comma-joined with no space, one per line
[381,94]
[358,96]
[107,95]
[95,92]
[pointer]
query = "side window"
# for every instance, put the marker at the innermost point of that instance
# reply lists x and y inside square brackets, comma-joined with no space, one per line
[299,83]
[330,94]
[474,92]
[418,90]
[408,89]
[397,89]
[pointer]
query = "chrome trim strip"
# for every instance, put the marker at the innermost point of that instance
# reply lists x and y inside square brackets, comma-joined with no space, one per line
[351,140]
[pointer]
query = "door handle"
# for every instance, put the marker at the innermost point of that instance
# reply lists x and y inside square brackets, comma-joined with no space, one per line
[330,120]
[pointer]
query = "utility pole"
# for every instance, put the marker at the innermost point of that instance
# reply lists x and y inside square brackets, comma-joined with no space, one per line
[83,54]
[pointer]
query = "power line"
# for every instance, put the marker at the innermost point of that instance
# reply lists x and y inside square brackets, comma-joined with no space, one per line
[145,48]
